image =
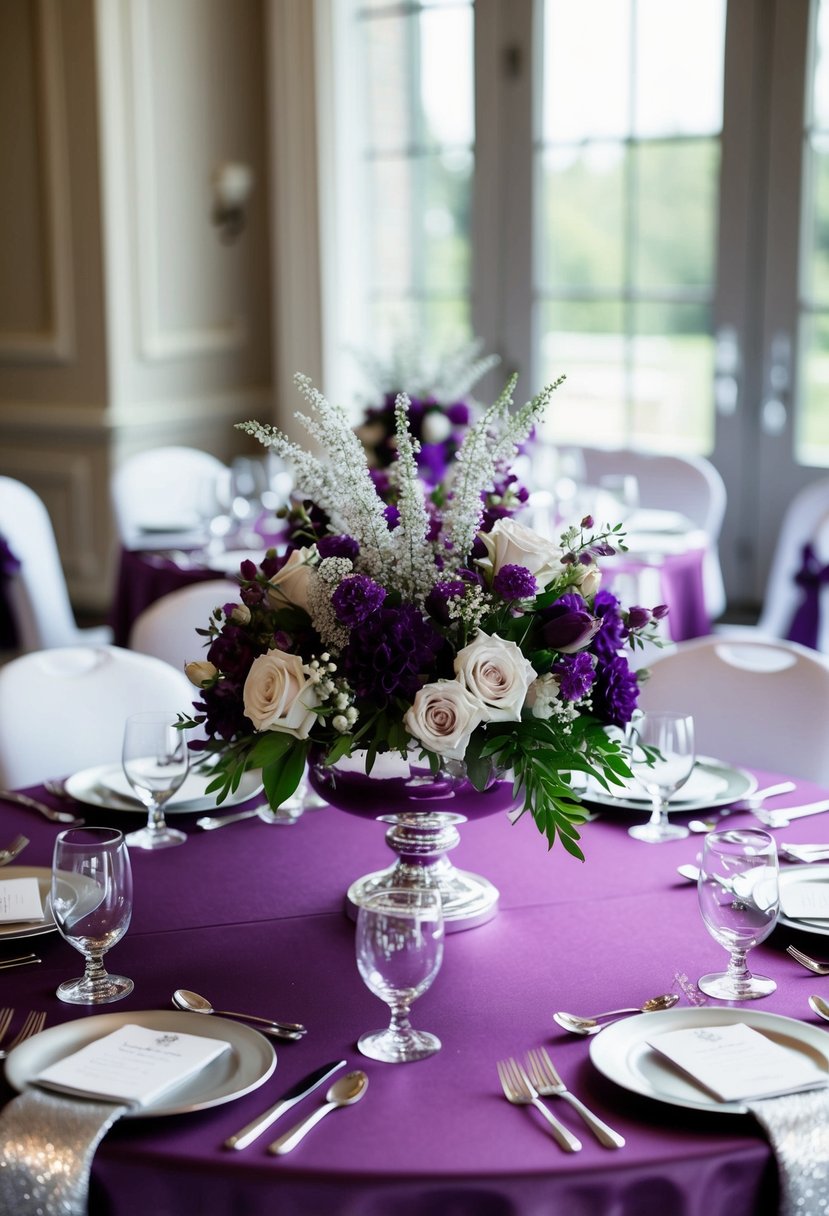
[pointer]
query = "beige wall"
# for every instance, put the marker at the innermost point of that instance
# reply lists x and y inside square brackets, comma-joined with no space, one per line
[125,322]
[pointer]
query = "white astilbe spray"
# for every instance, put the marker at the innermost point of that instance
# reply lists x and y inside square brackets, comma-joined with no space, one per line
[321,585]
[415,567]
[444,375]
[343,488]
[487,446]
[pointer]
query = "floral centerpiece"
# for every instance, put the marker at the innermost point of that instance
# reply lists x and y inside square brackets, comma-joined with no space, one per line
[435,621]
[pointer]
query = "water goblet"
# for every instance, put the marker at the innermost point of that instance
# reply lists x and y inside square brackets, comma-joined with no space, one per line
[739,900]
[91,901]
[661,758]
[155,761]
[399,953]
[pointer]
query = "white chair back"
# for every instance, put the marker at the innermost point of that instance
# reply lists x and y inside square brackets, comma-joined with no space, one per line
[37,595]
[756,701]
[162,490]
[688,484]
[806,520]
[64,710]
[167,628]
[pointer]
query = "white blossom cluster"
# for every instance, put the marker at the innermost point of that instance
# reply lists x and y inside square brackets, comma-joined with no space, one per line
[444,375]
[336,693]
[321,585]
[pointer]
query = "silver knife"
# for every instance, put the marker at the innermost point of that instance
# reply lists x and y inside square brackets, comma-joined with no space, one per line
[782,817]
[290,1098]
[32,804]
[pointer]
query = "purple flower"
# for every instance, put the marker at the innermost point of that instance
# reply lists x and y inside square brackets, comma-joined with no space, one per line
[575,676]
[390,654]
[9,563]
[514,583]
[458,413]
[616,691]
[392,516]
[356,598]
[660,612]
[638,617]
[611,637]
[437,601]
[338,546]
[569,625]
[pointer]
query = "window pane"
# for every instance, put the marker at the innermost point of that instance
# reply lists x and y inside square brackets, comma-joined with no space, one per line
[812,424]
[586,90]
[676,201]
[673,366]
[586,343]
[820,97]
[815,257]
[679,67]
[581,217]
[389,52]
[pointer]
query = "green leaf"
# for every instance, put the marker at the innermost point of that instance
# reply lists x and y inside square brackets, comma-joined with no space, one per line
[282,776]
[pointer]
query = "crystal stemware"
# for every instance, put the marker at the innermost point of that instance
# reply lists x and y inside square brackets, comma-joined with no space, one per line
[661,758]
[91,901]
[155,762]
[399,953]
[739,900]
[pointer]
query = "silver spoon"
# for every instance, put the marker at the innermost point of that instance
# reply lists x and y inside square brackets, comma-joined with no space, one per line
[183,998]
[13,850]
[209,823]
[820,1007]
[344,1092]
[577,1025]
[751,803]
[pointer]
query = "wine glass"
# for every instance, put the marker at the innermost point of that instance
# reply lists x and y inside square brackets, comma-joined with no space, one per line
[661,758]
[154,759]
[739,899]
[91,901]
[399,952]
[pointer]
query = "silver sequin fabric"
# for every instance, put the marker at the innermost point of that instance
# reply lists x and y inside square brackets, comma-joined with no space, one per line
[797,1126]
[47,1143]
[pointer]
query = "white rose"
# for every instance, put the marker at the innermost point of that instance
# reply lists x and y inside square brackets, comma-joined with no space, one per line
[279,696]
[201,673]
[496,672]
[512,544]
[443,717]
[240,614]
[590,581]
[290,584]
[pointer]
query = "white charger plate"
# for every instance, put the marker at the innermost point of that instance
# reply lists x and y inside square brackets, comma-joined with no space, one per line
[106,786]
[14,930]
[727,785]
[247,1065]
[621,1052]
[798,874]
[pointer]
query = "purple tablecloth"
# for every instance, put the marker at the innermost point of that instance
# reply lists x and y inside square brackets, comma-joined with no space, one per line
[681,586]
[252,916]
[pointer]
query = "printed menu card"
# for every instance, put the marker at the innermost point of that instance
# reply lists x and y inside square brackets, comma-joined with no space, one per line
[20,900]
[134,1064]
[735,1062]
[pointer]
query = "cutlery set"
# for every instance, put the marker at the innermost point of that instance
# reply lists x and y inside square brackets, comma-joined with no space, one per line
[526,1087]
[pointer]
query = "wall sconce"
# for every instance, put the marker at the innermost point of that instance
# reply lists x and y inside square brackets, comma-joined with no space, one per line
[232,187]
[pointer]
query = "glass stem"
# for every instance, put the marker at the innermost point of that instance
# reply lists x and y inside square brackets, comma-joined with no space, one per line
[659,815]
[155,817]
[94,971]
[400,1024]
[738,970]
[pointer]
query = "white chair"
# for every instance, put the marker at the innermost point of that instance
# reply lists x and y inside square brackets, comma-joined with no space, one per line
[163,490]
[64,710]
[37,595]
[758,702]
[688,484]
[167,628]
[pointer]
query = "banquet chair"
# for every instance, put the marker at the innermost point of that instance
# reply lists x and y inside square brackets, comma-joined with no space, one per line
[163,490]
[64,710]
[167,627]
[37,596]
[757,702]
[688,484]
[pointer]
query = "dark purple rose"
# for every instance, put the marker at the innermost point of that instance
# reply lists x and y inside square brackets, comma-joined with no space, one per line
[338,546]
[252,595]
[514,583]
[391,654]
[575,676]
[356,598]
[616,692]
[569,626]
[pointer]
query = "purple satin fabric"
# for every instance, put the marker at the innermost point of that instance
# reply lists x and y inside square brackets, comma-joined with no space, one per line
[811,577]
[682,589]
[252,916]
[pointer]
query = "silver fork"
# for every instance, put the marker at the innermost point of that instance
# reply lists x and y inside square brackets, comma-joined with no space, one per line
[811,964]
[33,1025]
[13,850]
[547,1081]
[519,1090]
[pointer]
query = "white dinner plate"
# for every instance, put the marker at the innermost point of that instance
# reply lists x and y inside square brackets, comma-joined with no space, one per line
[106,786]
[14,930]
[621,1052]
[247,1065]
[797,874]
[712,784]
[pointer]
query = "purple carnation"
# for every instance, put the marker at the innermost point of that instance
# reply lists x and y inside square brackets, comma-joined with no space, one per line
[356,598]
[514,583]
[437,601]
[616,692]
[390,654]
[338,546]
[611,637]
[575,676]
